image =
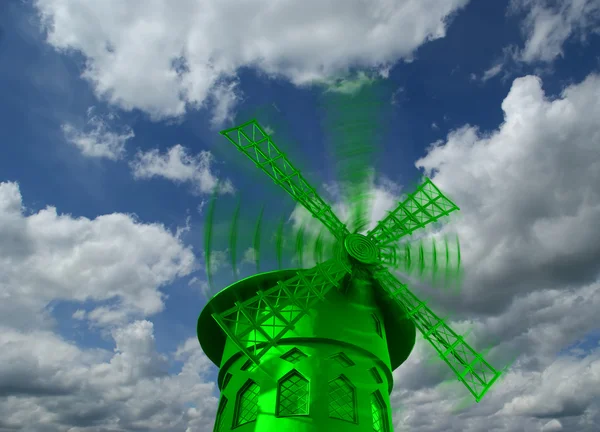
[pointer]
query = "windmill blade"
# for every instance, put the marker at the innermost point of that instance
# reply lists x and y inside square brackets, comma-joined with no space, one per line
[354,121]
[426,205]
[251,139]
[258,324]
[208,237]
[470,367]
[437,259]
[233,236]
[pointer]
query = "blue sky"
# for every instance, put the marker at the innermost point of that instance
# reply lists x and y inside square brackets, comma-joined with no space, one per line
[483,80]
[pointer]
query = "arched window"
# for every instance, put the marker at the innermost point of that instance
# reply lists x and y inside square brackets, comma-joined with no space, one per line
[342,359]
[342,399]
[379,412]
[220,415]
[293,356]
[246,409]
[292,395]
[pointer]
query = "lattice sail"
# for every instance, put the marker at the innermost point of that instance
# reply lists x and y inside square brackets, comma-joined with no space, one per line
[258,324]
[469,366]
[420,208]
[252,140]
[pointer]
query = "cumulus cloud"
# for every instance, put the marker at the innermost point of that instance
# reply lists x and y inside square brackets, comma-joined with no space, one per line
[198,47]
[113,258]
[179,166]
[549,24]
[531,187]
[114,266]
[552,426]
[529,196]
[98,138]
[489,73]
[50,384]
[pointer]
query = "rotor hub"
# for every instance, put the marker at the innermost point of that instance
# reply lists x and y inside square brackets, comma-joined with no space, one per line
[361,248]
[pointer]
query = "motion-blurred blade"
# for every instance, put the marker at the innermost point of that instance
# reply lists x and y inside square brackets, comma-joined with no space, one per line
[437,259]
[354,122]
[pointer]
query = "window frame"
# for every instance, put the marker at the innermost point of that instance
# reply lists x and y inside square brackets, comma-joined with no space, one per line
[278,403]
[238,403]
[345,379]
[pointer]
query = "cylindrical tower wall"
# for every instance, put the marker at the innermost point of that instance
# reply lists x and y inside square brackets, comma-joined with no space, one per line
[331,372]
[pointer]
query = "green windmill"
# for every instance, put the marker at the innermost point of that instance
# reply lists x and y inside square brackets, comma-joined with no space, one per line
[314,349]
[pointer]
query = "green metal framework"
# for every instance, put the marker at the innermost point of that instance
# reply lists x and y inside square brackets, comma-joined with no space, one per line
[426,205]
[342,399]
[470,368]
[257,323]
[254,142]
[267,317]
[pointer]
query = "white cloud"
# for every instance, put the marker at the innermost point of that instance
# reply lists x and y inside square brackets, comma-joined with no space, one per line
[225,97]
[521,401]
[529,195]
[552,426]
[529,191]
[249,256]
[52,385]
[492,72]
[98,139]
[47,256]
[179,166]
[218,260]
[201,206]
[48,383]
[79,314]
[563,389]
[196,46]
[352,84]
[548,25]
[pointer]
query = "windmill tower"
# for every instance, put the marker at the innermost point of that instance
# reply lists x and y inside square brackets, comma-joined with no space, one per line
[314,349]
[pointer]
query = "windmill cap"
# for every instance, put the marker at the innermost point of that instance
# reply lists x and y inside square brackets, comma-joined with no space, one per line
[400,331]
